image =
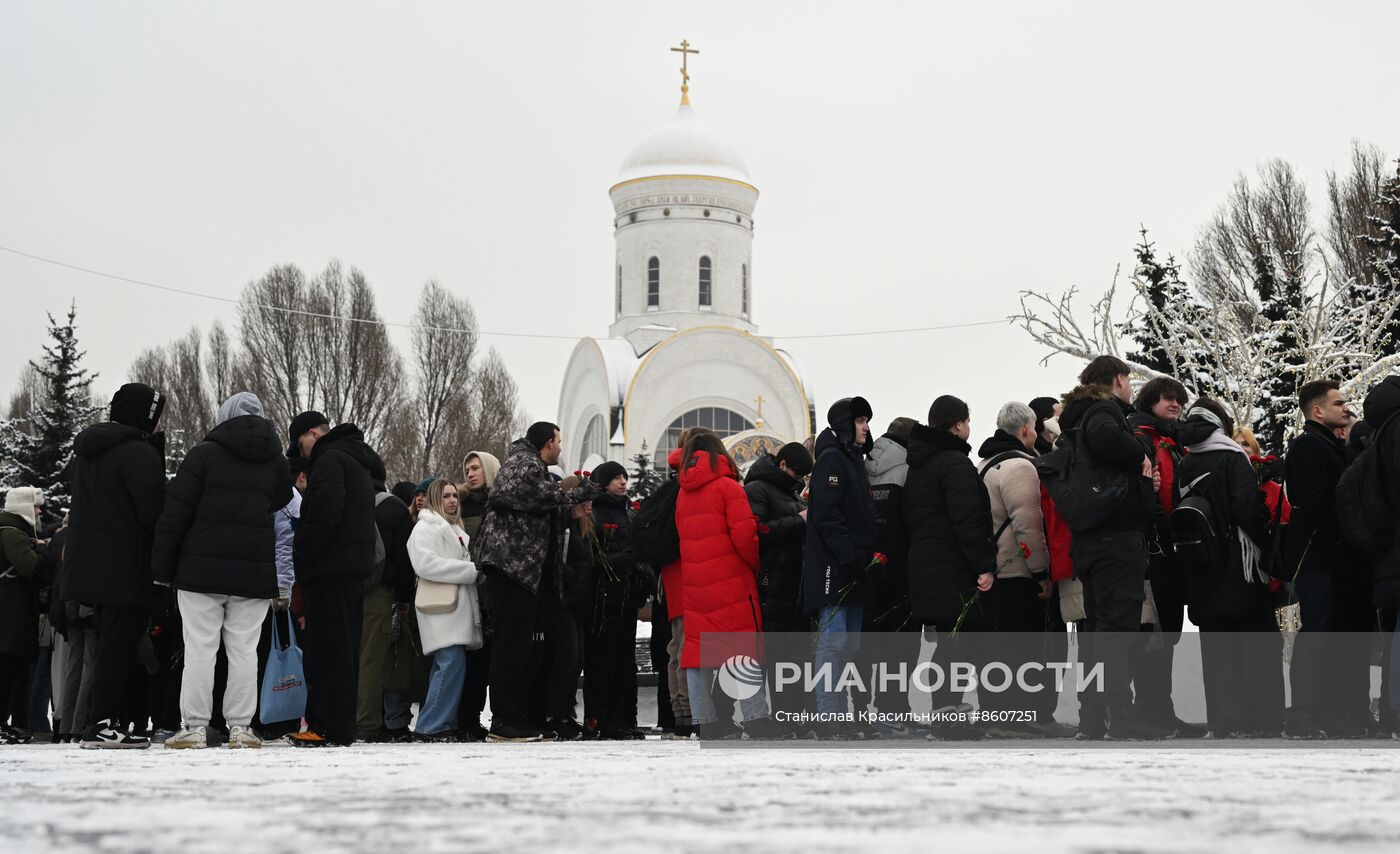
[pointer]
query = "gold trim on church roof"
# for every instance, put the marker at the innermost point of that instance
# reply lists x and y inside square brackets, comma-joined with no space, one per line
[684,178]
[660,345]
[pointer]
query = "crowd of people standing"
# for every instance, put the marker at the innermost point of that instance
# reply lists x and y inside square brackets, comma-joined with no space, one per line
[150,610]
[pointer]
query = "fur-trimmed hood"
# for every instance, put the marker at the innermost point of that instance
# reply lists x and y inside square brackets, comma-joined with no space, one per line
[1079,400]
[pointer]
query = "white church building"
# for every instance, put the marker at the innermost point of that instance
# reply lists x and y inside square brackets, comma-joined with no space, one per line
[683,349]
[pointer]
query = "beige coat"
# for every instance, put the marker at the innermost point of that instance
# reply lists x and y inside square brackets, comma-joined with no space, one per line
[1014,488]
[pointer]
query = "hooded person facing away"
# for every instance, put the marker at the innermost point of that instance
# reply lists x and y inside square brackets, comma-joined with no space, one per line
[118,494]
[216,545]
[842,539]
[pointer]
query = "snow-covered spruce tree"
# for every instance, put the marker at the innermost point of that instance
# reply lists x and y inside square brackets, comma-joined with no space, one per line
[66,409]
[645,478]
[1165,300]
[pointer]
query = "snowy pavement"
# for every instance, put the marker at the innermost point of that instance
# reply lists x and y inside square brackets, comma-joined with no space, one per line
[655,795]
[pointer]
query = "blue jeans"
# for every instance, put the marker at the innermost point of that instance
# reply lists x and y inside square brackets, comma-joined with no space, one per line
[702,703]
[838,637]
[439,711]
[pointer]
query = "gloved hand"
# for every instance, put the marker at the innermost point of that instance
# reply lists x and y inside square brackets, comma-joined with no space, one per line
[281,603]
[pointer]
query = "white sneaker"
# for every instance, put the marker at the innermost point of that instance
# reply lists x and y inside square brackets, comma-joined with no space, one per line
[188,738]
[242,736]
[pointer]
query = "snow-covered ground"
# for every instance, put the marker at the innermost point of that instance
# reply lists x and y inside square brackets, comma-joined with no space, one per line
[655,795]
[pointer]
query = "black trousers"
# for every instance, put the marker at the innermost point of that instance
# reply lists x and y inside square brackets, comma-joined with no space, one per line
[331,655]
[1330,671]
[475,686]
[1055,640]
[610,672]
[1113,568]
[14,673]
[513,613]
[660,638]
[1242,670]
[119,630]
[1018,617]
[556,659]
[1152,664]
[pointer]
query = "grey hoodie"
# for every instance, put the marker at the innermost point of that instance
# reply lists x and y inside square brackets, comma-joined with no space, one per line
[888,463]
[242,403]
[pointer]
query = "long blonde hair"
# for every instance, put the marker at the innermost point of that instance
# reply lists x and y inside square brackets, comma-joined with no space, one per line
[436,504]
[1244,437]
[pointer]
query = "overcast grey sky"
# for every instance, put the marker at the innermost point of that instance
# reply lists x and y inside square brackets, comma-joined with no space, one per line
[918,163]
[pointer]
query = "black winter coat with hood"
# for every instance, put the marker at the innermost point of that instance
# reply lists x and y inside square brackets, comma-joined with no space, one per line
[1227,480]
[620,593]
[1381,404]
[1102,421]
[118,496]
[335,537]
[842,534]
[395,523]
[775,497]
[216,534]
[949,519]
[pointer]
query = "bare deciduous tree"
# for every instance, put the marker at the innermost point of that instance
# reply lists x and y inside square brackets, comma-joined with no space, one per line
[444,348]
[1351,201]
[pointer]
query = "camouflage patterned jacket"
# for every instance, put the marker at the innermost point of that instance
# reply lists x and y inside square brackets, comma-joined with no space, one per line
[526,508]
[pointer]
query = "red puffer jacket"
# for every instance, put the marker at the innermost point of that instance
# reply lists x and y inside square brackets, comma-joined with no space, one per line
[671,589]
[719,558]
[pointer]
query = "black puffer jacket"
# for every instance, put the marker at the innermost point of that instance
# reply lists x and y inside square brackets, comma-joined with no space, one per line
[1315,462]
[949,519]
[1226,479]
[118,495]
[842,534]
[216,534]
[335,537]
[623,584]
[1382,403]
[775,498]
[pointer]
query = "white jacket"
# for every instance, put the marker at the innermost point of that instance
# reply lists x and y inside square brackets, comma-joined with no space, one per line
[438,552]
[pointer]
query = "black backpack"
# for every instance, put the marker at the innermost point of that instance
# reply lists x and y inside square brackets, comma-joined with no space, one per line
[1085,494]
[1195,535]
[655,540]
[982,476]
[1364,510]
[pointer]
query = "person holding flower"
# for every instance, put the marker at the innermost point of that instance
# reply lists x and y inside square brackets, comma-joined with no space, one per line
[1017,603]
[620,587]
[952,560]
[843,535]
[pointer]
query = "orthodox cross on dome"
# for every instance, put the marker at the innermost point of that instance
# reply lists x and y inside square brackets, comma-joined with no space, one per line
[760,401]
[685,52]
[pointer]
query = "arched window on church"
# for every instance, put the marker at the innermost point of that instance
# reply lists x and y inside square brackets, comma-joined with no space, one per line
[744,290]
[724,422]
[653,282]
[619,289]
[595,443]
[704,281]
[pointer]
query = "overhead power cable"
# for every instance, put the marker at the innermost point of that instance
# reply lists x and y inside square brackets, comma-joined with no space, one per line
[322,315]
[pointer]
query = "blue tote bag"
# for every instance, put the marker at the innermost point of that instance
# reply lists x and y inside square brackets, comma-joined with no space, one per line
[284,683]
